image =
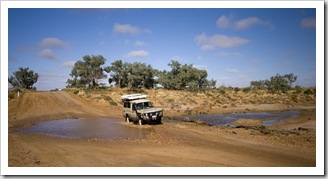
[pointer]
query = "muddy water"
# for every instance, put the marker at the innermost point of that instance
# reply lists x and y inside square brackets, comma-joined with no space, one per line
[267,119]
[107,129]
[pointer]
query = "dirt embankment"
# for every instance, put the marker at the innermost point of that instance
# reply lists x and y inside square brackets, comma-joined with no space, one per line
[169,144]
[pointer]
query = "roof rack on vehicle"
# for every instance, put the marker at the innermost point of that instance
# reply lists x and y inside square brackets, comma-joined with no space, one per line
[133,97]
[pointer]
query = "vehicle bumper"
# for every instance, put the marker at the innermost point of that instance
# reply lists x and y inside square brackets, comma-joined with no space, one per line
[151,118]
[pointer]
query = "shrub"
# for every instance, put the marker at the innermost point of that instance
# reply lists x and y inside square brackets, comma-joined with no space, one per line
[110,100]
[309,91]
[247,90]
[294,98]
[87,92]
[17,89]
[113,103]
[236,89]
[169,100]
[222,91]
[298,89]
[11,95]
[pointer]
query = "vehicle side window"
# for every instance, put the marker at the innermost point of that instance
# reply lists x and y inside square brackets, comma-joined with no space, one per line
[133,107]
[127,105]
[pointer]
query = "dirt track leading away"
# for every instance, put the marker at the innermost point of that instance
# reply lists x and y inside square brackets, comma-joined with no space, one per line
[170,144]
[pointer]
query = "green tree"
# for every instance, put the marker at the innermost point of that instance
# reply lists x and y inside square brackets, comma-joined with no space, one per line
[24,78]
[140,75]
[86,73]
[119,73]
[184,76]
[258,85]
[291,78]
[131,75]
[276,84]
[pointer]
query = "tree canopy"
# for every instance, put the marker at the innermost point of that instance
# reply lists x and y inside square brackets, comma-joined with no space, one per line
[276,84]
[86,73]
[184,76]
[131,75]
[24,78]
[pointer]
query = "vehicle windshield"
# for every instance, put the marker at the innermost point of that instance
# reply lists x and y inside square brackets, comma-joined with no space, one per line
[144,105]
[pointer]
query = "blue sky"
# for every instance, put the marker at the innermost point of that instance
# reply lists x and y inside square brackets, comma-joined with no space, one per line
[235,46]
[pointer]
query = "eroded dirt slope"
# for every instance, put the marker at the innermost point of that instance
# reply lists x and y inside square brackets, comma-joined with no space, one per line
[39,106]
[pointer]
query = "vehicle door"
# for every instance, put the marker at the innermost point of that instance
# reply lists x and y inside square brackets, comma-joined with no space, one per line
[133,113]
[128,109]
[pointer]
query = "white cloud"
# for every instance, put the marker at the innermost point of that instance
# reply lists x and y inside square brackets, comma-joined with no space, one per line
[68,64]
[208,47]
[139,43]
[247,22]
[223,22]
[232,70]
[126,29]
[137,53]
[48,54]
[218,40]
[308,22]
[51,42]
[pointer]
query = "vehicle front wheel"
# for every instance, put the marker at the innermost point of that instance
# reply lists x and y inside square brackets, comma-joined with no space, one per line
[127,119]
[159,121]
[140,122]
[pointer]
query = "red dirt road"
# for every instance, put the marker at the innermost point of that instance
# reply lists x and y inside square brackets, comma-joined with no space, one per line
[180,144]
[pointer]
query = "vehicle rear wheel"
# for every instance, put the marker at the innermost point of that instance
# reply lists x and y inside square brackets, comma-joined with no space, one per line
[140,122]
[127,119]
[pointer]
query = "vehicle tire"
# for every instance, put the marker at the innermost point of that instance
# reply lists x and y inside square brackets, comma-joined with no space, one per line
[159,121]
[140,122]
[127,119]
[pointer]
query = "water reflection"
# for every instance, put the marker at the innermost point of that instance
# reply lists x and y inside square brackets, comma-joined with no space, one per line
[107,129]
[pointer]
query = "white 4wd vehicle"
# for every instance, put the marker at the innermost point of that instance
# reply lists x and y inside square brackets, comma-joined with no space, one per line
[136,107]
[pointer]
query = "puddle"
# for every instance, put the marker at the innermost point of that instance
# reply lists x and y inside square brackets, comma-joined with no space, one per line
[107,129]
[268,119]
